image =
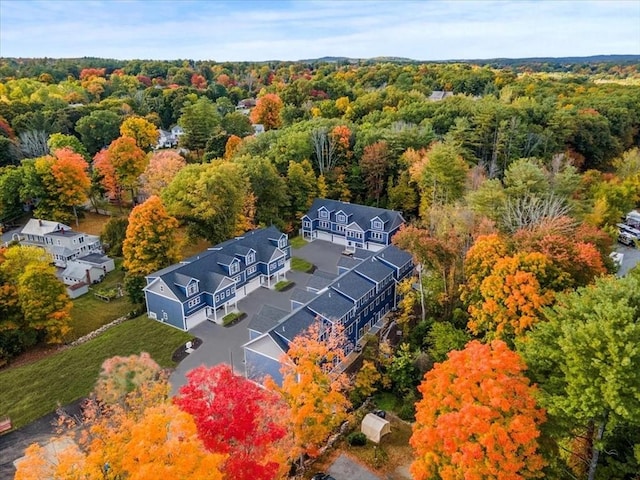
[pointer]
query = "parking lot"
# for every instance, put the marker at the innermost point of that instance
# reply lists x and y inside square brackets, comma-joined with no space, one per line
[224,344]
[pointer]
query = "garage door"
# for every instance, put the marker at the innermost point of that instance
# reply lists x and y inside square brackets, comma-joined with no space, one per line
[196,319]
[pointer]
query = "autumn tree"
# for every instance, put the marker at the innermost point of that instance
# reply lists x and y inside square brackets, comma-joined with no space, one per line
[375,167]
[267,111]
[150,242]
[59,140]
[65,182]
[121,165]
[35,304]
[311,387]
[162,442]
[585,359]
[236,417]
[162,168]
[477,418]
[231,147]
[210,199]
[141,130]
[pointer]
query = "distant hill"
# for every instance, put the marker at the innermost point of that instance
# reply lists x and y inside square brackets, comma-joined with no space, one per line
[618,59]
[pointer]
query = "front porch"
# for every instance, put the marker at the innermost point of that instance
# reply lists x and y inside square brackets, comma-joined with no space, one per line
[216,315]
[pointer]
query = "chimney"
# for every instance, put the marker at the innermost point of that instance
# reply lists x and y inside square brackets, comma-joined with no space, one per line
[39,222]
[88,276]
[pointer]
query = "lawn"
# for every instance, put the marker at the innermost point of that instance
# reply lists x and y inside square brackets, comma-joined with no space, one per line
[90,313]
[301,265]
[33,390]
[297,242]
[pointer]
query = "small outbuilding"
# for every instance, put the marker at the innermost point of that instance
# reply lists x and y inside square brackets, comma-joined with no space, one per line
[375,427]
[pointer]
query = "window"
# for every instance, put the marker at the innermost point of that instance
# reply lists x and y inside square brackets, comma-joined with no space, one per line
[192,289]
[237,278]
[377,224]
[217,298]
[233,290]
[251,270]
[251,258]
[228,293]
[234,268]
[307,224]
[281,262]
[377,236]
[323,224]
[81,240]
[162,288]
[58,242]
[192,303]
[341,218]
[340,228]
[222,295]
[323,214]
[153,315]
[350,329]
[165,316]
[282,242]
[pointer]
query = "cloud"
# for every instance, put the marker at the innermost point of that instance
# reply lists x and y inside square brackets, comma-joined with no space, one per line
[290,30]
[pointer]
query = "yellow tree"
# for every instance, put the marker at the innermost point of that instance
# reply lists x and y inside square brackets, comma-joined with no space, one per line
[312,386]
[141,130]
[150,243]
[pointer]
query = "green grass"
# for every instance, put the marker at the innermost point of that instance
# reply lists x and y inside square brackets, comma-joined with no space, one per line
[386,401]
[33,390]
[90,313]
[231,317]
[297,242]
[282,284]
[301,265]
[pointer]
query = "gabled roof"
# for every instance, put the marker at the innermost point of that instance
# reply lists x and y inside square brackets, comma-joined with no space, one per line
[320,280]
[352,285]
[331,305]
[293,325]
[208,266]
[267,345]
[302,296]
[374,269]
[267,318]
[75,270]
[182,280]
[393,256]
[42,227]
[360,214]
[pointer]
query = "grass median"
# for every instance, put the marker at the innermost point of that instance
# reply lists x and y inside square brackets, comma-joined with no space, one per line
[31,391]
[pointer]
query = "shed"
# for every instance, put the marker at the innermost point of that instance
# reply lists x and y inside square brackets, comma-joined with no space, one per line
[375,427]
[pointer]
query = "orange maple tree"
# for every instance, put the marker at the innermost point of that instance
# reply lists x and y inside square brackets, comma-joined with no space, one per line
[477,418]
[267,111]
[314,391]
[162,168]
[121,165]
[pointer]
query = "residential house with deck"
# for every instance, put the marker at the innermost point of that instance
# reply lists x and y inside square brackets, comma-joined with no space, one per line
[350,224]
[358,298]
[208,285]
[63,243]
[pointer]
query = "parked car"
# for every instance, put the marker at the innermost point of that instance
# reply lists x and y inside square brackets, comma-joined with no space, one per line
[322,476]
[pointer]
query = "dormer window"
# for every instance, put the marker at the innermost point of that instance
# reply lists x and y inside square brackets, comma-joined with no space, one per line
[234,268]
[341,218]
[192,289]
[251,257]
[377,224]
[323,214]
[282,242]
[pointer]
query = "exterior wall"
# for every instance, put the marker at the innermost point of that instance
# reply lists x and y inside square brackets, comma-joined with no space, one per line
[165,310]
[259,366]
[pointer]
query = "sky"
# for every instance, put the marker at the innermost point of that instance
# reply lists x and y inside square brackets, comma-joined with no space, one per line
[243,30]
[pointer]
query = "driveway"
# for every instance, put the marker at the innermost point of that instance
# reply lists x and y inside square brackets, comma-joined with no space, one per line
[630,259]
[343,468]
[224,344]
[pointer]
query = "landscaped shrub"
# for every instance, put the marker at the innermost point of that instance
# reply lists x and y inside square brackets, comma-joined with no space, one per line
[282,285]
[232,317]
[301,265]
[357,439]
[407,412]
